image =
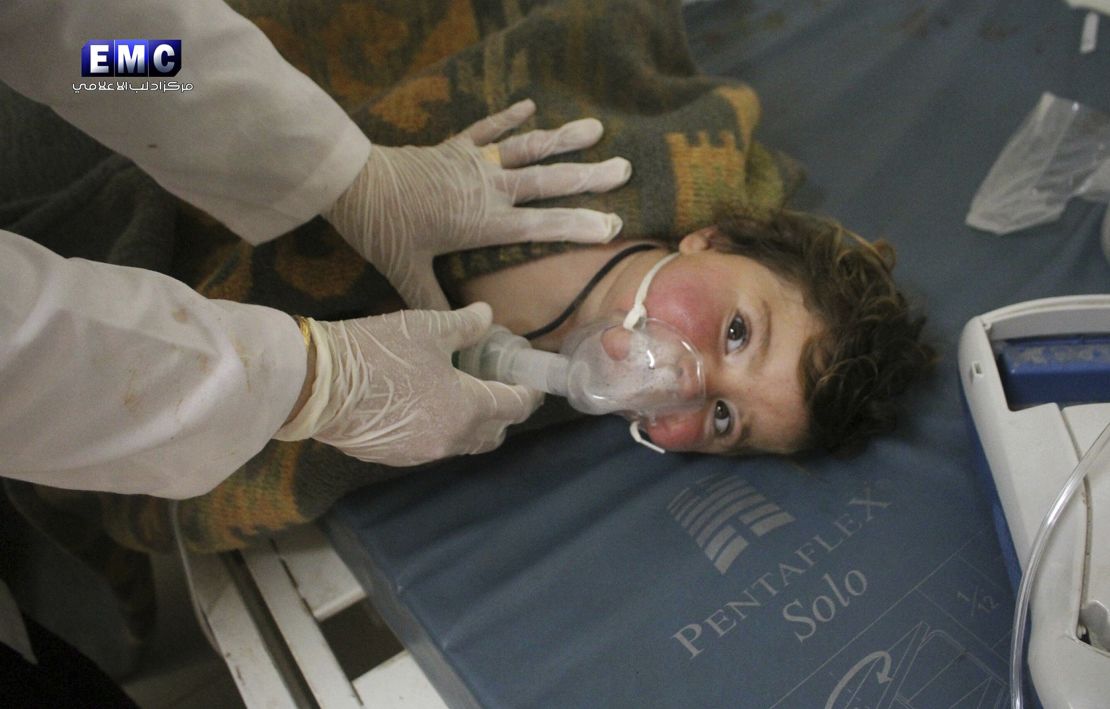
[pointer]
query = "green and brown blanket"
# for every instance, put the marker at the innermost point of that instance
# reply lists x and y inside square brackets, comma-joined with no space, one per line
[409,72]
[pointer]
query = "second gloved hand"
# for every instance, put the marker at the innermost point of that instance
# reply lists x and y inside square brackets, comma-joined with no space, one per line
[385,390]
[410,204]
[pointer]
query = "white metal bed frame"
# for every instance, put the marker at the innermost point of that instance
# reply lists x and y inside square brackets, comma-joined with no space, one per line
[263,608]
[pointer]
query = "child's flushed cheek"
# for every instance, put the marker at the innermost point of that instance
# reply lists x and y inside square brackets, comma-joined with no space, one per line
[677,432]
[687,310]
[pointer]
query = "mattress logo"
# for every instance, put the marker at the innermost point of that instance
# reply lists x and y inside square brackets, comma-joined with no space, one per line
[723,514]
[104,58]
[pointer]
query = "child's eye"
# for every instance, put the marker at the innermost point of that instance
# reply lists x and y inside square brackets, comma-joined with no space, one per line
[722,418]
[737,334]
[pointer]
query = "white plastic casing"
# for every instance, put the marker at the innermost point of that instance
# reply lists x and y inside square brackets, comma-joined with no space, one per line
[1031,452]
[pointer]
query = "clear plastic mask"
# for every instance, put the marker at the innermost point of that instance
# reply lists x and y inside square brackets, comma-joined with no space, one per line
[640,367]
[641,373]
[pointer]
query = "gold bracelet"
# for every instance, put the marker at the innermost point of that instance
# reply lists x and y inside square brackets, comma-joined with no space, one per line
[310,369]
[306,333]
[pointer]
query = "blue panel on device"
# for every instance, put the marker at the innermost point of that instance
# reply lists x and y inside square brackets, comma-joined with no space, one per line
[1068,370]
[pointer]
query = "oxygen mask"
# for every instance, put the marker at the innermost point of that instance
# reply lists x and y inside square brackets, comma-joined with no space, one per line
[638,367]
[641,372]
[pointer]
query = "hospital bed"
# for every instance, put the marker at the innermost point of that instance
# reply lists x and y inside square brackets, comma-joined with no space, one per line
[573,568]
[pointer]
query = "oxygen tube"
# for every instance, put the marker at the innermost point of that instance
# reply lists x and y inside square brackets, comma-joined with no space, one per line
[1098,453]
[638,367]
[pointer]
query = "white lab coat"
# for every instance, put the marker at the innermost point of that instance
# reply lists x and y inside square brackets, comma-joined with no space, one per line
[121,379]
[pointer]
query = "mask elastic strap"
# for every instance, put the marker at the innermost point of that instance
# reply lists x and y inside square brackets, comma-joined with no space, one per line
[638,313]
[635,318]
[634,429]
[587,289]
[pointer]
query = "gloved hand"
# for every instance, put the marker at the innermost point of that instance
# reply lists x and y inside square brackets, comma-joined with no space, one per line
[410,204]
[386,392]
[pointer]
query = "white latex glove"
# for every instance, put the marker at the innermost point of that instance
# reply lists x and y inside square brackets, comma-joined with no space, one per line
[410,204]
[386,391]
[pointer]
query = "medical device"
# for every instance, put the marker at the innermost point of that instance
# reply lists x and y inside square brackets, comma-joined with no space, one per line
[1036,382]
[636,366]
[604,367]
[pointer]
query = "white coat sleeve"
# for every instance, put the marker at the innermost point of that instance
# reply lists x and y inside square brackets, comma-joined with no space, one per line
[125,380]
[255,143]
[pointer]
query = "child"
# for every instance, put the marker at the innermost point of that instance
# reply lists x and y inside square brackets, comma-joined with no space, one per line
[806,340]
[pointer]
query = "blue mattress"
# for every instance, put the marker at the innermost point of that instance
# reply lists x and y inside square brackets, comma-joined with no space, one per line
[574,568]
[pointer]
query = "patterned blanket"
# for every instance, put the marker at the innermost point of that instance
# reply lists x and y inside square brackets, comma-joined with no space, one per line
[414,72]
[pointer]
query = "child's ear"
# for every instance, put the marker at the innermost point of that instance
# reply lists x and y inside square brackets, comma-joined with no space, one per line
[696,241]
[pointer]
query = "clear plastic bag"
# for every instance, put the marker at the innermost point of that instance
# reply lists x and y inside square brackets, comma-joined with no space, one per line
[1061,150]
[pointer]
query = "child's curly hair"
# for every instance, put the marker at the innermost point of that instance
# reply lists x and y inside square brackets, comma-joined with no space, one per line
[870,350]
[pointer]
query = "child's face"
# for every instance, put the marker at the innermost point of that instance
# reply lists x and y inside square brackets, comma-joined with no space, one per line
[750,327]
